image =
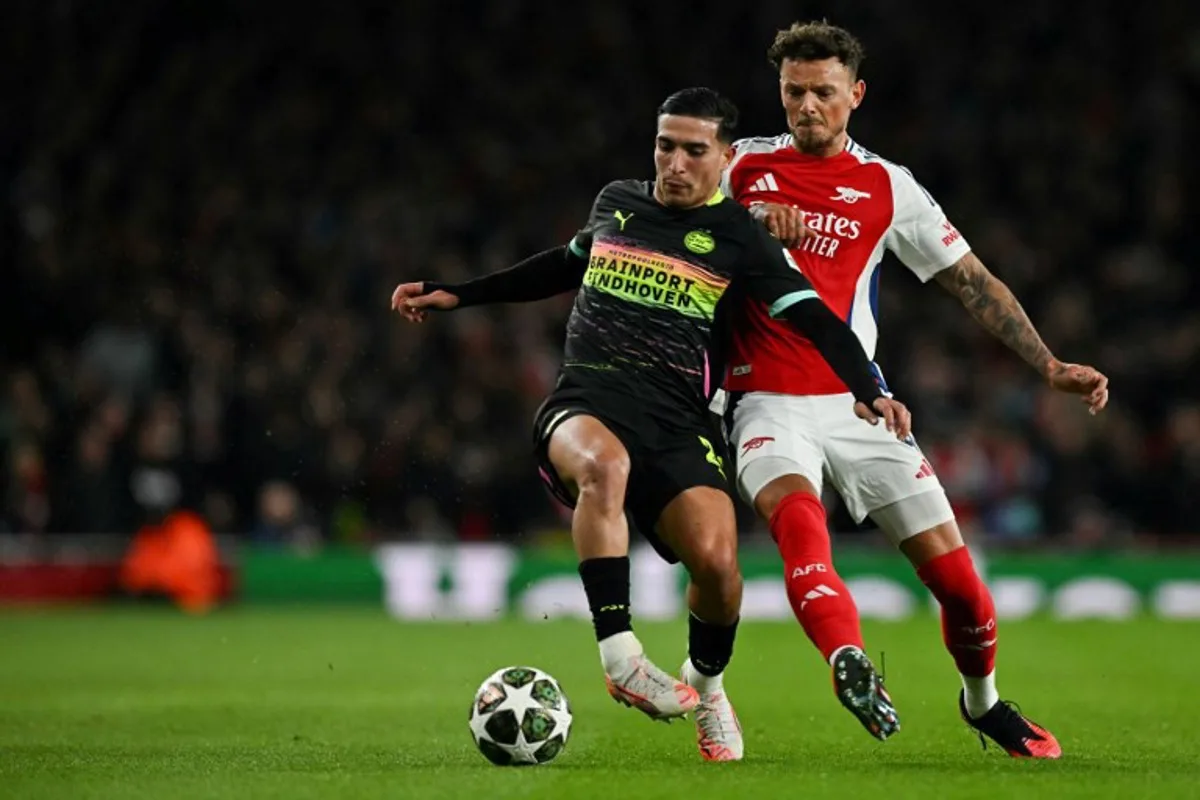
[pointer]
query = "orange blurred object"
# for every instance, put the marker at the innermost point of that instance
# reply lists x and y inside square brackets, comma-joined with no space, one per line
[177,557]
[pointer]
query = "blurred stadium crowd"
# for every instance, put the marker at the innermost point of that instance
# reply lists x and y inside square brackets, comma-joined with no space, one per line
[206,207]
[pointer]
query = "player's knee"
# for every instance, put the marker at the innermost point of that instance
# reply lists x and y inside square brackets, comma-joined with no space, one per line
[768,498]
[602,476]
[928,544]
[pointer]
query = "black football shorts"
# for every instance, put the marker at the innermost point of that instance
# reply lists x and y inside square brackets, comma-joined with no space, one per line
[670,450]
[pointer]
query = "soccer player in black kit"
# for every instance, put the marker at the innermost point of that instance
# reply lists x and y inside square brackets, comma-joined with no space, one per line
[627,427]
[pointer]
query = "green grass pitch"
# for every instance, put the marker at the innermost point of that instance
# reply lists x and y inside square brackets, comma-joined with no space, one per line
[295,703]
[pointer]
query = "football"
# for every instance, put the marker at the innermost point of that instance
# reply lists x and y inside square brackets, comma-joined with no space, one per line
[520,715]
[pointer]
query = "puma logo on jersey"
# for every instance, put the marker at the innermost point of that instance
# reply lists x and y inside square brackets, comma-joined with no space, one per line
[848,195]
[764,184]
[623,218]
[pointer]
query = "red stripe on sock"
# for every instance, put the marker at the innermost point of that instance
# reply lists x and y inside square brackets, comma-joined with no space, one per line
[968,613]
[819,598]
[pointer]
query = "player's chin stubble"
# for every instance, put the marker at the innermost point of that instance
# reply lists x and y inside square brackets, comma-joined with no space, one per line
[810,139]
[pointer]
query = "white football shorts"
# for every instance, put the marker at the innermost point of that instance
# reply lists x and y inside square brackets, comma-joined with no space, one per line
[817,436]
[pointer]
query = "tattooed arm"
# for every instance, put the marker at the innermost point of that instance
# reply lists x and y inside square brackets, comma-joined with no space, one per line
[993,306]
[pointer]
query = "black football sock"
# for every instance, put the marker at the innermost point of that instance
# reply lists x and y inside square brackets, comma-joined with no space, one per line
[710,646]
[606,582]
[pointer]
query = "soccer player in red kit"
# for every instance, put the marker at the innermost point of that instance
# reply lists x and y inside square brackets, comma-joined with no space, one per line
[837,207]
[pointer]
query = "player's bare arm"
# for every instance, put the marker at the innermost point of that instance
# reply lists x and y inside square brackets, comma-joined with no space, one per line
[994,306]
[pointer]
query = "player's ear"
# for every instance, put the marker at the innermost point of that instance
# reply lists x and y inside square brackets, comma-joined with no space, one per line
[857,93]
[726,157]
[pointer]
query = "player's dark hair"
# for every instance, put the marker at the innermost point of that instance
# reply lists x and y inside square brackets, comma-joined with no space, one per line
[815,41]
[704,103]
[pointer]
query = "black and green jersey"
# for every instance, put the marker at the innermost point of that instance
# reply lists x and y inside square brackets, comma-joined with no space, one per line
[654,283]
[649,317]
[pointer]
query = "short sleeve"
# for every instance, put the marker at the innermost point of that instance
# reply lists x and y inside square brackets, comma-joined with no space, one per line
[727,175]
[730,185]
[921,236]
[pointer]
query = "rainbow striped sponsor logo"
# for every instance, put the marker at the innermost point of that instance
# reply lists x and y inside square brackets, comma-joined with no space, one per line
[653,279]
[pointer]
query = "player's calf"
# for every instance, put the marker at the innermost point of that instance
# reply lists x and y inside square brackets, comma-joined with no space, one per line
[968,624]
[970,634]
[699,525]
[715,587]
[819,598]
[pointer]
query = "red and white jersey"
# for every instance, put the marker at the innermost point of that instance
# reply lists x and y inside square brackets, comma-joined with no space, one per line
[858,204]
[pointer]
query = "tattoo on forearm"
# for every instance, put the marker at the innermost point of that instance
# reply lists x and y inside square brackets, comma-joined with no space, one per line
[995,308]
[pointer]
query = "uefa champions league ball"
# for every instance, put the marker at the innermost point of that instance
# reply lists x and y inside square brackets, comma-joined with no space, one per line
[520,716]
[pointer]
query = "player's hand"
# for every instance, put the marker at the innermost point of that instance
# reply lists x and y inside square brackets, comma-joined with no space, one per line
[895,415]
[784,222]
[411,300]
[1082,380]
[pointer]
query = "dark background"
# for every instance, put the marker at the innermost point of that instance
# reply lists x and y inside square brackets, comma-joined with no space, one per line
[205,207]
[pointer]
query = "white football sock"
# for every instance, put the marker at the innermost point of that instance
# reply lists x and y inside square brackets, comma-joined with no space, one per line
[617,649]
[979,694]
[704,684]
[833,656]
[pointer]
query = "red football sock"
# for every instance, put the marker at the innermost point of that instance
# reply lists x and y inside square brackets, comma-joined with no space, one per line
[819,598]
[968,614]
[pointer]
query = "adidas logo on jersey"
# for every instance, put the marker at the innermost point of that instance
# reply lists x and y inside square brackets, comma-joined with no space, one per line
[848,195]
[764,184]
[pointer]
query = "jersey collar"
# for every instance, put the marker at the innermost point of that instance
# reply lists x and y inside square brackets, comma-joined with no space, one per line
[717,198]
[841,155]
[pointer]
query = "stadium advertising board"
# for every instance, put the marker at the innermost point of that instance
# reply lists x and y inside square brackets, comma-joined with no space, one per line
[484,581]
